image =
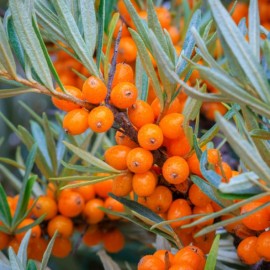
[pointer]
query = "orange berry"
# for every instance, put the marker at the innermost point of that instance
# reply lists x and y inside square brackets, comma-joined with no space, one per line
[91,211]
[127,50]
[225,171]
[175,170]
[116,156]
[263,245]
[61,248]
[205,241]
[139,160]
[35,231]
[179,208]
[103,188]
[65,105]
[172,125]
[75,122]
[150,137]
[63,225]
[194,164]
[122,185]
[240,11]
[93,236]
[144,183]
[100,119]
[123,95]
[160,200]
[150,262]
[87,191]
[210,108]
[70,203]
[140,113]
[123,10]
[213,156]
[125,32]
[115,206]
[207,209]
[36,249]
[257,221]
[165,256]
[191,255]
[197,197]
[123,139]
[179,147]
[5,239]
[51,190]
[246,250]
[94,90]
[174,34]
[113,241]
[123,73]
[45,205]
[182,266]
[164,17]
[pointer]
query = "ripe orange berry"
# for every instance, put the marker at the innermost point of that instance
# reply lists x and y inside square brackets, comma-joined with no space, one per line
[15,244]
[150,262]
[91,211]
[182,266]
[123,73]
[36,249]
[246,250]
[127,50]
[179,147]
[160,200]
[70,203]
[123,10]
[65,105]
[140,113]
[125,32]
[197,197]
[93,236]
[257,221]
[113,241]
[213,156]
[164,17]
[61,248]
[103,188]
[100,119]
[139,160]
[210,108]
[175,170]
[122,185]
[172,125]
[240,11]
[194,164]
[123,95]
[144,183]
[179,208]
[94,90]
[225,171]
[116,156]
[205,241]
[263,245]
[35,233]
[150,137]
[207,209]
[191,255]
[174,34]
[87,191]
[63,225]
[115,206]
[45,205]
[75,122]
[164,255]
[123,139]
[5,239]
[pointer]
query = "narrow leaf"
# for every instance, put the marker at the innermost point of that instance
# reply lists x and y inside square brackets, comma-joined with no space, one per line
[213,254]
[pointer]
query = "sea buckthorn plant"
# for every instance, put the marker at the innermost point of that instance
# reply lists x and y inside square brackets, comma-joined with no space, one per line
[160,126]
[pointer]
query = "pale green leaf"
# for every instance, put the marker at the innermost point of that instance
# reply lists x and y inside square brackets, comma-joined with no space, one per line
[14,261]
[107,261]
[213,255]
[22,252]
[260,133]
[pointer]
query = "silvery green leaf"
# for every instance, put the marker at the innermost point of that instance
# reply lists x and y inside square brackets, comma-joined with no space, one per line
[4,266]
[260,133]
[148,66]
[22,252]
[74,37]
[5,93]
[242,26]
[14,261]
[243,149]
[189,42]
[89,24]
[141,79]
[241,49]
[254,28]
[244,183]
[6,56]
[213,254]
[107,261]
[24,29]
[154,25]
